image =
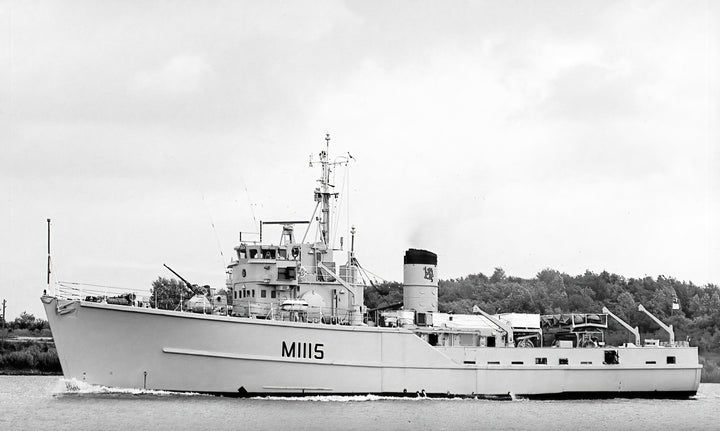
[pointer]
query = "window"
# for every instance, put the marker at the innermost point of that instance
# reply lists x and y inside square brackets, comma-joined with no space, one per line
[273,294]
[563,361]
[650,362]
[671,359]
[493,362]
[421,319]
[540,361]
[469,362]
[611,357]
[253,293]
[288,273]
[585,362]
[491,341]
[517,362]
[263,293]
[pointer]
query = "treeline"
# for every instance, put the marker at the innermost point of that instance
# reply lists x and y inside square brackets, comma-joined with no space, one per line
[26,323]
[552,292]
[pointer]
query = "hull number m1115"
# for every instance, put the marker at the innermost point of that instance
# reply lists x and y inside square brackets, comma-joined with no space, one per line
[302,350]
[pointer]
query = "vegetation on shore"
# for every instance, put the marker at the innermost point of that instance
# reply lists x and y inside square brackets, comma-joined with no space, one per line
[29,357]
[27,347]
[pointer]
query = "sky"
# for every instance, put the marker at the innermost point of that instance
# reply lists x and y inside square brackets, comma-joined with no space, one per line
[573,135]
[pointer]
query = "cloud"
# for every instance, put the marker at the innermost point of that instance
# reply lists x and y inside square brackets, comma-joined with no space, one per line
[181,75]
[514,134]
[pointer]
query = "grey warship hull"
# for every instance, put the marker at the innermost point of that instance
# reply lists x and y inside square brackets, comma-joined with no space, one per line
[119,346]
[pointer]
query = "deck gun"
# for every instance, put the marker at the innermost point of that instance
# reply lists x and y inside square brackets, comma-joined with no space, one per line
[194,289]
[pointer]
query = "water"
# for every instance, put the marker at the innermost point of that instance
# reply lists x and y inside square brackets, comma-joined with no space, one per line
[45,403]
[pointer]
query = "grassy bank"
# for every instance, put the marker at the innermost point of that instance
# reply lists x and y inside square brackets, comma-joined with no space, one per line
[29,356]
[711,368]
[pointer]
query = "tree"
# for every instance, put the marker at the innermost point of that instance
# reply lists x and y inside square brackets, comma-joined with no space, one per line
[28,321]
[498,275]
[167,293]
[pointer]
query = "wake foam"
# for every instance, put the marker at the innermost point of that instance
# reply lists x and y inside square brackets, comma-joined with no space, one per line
[78,387]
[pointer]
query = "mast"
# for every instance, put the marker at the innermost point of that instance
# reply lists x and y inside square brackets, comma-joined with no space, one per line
[325,189]
[323,194]
[48,254]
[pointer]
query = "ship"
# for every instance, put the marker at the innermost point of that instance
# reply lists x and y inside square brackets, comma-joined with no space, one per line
[294,323]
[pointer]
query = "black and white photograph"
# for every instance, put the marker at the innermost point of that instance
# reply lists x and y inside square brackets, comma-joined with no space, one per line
[359,214]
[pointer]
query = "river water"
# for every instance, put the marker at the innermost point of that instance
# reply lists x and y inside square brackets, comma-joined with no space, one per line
[37,403]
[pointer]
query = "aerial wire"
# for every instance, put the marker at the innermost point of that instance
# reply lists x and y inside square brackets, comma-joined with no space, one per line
[212,223]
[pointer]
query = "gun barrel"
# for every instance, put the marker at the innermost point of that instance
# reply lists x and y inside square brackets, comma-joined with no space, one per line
[187,283]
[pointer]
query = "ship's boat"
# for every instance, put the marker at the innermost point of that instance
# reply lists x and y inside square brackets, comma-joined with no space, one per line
[294,323]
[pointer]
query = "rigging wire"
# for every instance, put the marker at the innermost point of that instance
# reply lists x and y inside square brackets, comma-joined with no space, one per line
[252,211]
[338,204]
[212,223]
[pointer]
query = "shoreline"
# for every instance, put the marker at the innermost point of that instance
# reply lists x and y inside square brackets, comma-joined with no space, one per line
[29,373]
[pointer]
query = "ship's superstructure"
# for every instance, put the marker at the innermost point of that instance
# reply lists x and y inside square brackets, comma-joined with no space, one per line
[298,280]
[294,322]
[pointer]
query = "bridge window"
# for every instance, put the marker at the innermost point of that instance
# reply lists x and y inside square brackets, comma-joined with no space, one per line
[540,361]
[563,361]
[288,273]
[671,359]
